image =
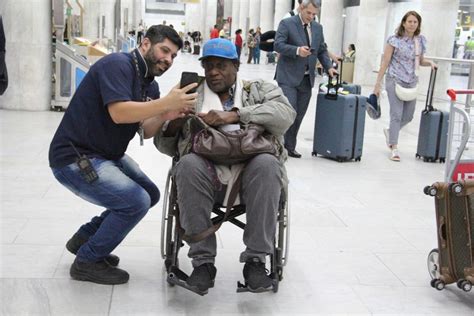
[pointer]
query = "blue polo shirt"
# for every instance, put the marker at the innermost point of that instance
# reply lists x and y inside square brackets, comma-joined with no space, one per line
[87,122]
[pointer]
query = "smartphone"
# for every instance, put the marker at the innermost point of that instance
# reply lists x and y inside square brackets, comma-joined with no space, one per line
[312,50]
[188,78]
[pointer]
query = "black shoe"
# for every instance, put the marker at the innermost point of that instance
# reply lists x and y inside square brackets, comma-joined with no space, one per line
[98,272]
[202,277]
[293,153]
[77,241]
[256,277]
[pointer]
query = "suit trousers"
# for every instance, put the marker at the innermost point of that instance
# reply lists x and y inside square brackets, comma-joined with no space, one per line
[199,189]
[299,98]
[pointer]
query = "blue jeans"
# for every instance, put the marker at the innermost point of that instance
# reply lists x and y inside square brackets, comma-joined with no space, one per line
[123,189]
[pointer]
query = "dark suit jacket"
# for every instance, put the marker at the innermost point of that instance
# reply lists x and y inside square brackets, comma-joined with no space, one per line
[291,67]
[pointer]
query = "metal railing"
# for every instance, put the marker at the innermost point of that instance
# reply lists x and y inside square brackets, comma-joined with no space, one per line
[470,62]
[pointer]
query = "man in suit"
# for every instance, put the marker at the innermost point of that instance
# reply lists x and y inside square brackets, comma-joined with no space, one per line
[300,42]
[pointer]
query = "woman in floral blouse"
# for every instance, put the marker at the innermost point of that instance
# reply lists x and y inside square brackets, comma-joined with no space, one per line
[403,53]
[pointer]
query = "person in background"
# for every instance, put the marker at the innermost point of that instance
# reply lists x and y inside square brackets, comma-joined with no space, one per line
[349,55]
[300,42]
[214,32]
[400,58]
[238,42]
[223,33]
[117,98]
[469,48]
[256,49]
[250,45]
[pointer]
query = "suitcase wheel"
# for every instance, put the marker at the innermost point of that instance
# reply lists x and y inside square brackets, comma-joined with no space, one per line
[457,188]
[464,285]
[431,191]
[442,160]
[439,285]
[358,159]
[417,156]
[314,154]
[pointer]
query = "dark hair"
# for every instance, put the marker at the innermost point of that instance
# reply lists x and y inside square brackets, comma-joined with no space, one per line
[352,46]
[158,34]
[400,31]
[238,31]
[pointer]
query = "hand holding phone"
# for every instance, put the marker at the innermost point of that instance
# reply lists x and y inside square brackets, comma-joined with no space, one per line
[187,78]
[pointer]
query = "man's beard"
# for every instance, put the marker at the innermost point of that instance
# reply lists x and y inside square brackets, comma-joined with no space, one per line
[152,62]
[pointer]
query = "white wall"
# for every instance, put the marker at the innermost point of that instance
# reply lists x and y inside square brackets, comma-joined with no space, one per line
[351,23]
[27,26]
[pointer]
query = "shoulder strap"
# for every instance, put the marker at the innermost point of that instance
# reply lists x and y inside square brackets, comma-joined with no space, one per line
[292,13]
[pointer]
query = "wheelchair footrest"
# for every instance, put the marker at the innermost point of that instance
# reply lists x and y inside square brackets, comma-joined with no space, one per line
[178,277]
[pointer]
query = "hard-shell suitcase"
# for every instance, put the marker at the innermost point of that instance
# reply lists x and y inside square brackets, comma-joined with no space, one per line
[339,125]
[433,133]
[453,261]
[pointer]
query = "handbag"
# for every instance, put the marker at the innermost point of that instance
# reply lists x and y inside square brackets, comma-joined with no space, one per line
[409,94]
[232,147]
[406,94]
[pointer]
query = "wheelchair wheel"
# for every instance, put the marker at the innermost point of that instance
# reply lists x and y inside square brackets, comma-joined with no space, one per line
[165,217]
[282,237]
[170,240]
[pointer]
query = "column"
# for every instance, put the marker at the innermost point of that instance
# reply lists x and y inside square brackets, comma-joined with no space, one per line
[440,40]
[235,17]
[243,19]
[28,61]
[254,14]
[370,42]
[282,7]
[333,24]
[267,14]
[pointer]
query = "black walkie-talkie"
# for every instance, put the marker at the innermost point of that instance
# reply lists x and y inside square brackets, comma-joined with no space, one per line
[86,169]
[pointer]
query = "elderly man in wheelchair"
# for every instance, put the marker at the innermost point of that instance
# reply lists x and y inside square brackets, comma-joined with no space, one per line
[227,101]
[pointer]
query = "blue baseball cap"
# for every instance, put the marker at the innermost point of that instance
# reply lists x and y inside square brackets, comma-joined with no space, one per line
[219,47]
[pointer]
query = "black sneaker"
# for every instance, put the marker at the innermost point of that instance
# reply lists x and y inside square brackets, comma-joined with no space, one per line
[202,277]
[256,276]
[77,241]
[98,272]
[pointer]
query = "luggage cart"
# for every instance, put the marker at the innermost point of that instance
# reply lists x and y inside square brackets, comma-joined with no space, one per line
[460,151]
[459,166]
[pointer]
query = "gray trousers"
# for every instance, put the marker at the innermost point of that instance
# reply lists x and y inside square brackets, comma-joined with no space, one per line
[401,112]
[299,98]
[199,188]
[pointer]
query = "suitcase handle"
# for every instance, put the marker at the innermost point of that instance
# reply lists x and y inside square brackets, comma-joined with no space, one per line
[333,95]
[429,95]
[442,231]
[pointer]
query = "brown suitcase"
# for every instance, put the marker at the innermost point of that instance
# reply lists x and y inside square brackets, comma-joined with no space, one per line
[453,261]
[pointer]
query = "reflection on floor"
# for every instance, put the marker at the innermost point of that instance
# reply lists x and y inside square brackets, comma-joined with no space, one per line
[360,232]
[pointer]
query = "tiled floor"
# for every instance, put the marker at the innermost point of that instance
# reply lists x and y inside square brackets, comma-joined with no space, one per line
[360,233]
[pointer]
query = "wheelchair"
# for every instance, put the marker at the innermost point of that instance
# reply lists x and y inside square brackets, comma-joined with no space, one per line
[171,239]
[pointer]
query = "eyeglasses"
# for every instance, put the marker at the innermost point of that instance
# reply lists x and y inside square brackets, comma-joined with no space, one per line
[220,66]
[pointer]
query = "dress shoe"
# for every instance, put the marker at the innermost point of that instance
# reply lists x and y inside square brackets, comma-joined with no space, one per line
[293,153]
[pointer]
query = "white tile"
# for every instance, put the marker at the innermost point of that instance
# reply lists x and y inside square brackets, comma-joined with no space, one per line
[29,261]
[416,300]
[53,297]
[10,228]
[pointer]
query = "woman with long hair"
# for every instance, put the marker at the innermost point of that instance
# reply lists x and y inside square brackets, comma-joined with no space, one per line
[403,53]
